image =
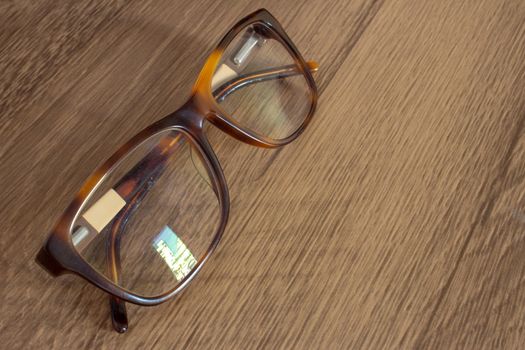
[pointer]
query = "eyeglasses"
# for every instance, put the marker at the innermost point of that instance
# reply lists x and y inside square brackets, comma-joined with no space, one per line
[145,222]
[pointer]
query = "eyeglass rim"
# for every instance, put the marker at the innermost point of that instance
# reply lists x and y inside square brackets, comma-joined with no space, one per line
[224,120]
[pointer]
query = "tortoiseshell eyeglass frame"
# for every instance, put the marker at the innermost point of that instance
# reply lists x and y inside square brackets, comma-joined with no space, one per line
[58,255]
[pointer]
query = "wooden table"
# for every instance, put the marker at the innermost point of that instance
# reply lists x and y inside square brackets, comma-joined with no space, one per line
[396,221]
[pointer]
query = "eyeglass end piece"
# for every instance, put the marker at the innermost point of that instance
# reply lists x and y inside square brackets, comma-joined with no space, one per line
[48,263]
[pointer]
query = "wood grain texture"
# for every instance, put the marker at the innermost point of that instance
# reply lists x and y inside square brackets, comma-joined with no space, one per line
[395,221]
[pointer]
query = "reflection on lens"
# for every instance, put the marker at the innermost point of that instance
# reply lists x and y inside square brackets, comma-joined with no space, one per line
[174,253]
[258,83]
[104,210]
[152,218]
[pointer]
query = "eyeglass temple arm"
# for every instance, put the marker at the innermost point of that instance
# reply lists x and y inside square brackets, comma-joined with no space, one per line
[119,317]
[118,310]
[132,187]
[259,76]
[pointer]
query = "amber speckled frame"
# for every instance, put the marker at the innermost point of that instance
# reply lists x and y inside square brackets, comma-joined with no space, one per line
[58,255]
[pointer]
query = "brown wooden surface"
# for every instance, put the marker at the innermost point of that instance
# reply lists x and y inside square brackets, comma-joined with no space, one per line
[396,221]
